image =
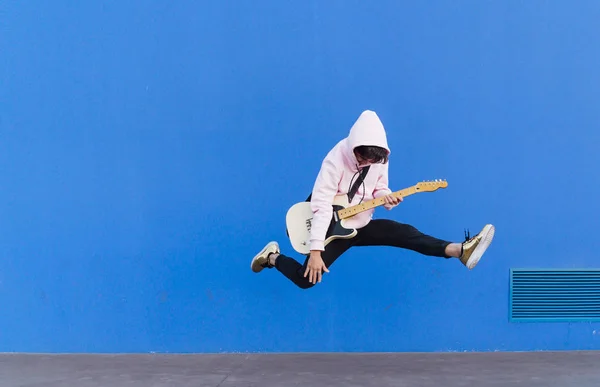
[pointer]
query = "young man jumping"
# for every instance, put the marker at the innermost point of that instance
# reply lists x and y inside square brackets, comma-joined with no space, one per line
[366,145]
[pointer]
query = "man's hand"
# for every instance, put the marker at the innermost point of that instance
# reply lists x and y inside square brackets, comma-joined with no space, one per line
[392,201]
[315,267]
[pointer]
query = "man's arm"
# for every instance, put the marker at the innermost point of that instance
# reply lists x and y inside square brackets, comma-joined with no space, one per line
[324,191]
[381,187]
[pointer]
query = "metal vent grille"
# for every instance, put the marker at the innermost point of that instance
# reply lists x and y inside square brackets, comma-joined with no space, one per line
[555,295]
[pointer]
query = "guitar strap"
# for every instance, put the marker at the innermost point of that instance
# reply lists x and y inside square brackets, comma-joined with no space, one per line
[358,182]
[354,188]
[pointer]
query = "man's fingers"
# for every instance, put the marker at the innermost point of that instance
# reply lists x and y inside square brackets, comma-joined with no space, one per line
[315,274]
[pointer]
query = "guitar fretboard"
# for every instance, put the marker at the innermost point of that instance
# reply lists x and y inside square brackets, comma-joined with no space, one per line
[351,211]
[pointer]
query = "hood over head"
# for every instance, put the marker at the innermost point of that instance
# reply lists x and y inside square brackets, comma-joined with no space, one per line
[367,130]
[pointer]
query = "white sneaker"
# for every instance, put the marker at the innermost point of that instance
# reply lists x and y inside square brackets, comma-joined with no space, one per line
[473,248]
[261,260]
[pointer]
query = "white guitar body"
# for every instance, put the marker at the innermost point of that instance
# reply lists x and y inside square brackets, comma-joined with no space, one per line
[299,222]
[299,217]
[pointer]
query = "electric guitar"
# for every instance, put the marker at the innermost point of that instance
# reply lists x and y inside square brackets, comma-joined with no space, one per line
[299,216]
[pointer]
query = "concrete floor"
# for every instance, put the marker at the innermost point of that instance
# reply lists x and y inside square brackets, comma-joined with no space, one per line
[547,369]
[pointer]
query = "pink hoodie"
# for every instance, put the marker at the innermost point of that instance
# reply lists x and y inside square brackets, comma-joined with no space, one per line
[340,169]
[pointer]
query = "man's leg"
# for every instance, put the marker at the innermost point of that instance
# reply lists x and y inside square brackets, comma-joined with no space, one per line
[271,257]
[384,232]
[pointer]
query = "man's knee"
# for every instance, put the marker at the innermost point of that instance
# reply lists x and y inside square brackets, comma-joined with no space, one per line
[306,285]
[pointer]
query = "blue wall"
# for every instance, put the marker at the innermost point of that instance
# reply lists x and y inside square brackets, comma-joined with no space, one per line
[149,149]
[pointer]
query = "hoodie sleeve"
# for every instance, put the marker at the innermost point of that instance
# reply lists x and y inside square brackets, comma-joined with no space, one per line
[324,191]
[381,187]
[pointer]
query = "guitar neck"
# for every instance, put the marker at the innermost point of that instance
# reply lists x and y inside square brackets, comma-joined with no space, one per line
[353,210]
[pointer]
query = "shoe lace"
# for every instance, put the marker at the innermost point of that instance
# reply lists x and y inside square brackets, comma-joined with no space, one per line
[468,236]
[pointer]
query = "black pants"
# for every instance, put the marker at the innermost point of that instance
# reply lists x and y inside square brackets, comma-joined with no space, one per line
[379,232]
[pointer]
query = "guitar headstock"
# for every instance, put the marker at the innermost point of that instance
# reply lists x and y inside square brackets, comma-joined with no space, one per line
[431,185]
